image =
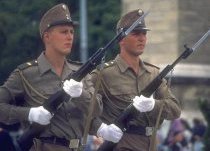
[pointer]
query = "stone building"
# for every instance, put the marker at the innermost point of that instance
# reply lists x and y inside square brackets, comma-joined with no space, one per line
[173,24]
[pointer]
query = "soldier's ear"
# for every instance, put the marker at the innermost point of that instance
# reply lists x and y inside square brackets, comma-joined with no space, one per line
[45,36]
[121,42]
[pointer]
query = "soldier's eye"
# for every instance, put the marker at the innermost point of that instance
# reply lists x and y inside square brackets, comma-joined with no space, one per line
[64,31]
[72,31]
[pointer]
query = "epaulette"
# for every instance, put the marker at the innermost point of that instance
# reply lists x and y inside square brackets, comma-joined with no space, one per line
[74,62]
[146,63]
[109,64]
[106,64]
[27,64]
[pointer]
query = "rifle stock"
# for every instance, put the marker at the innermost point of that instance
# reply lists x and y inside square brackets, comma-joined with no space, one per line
[52,104]
[148,91]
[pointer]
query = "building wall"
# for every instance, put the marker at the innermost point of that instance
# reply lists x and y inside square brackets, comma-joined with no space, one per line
[174,23]
[194,21]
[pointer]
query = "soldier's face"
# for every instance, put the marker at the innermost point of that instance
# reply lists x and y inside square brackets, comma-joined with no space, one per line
[60,39]
[134,43]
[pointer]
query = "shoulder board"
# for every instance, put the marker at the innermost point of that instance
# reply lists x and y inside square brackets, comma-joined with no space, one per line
[107,64]
[146,63]
[74,62]
[27,64]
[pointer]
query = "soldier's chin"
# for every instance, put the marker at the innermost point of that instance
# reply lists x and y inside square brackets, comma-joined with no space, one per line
[139,53]
[66,51]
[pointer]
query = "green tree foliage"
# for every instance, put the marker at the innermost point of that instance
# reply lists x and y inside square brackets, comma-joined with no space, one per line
[19,28]
[102,20]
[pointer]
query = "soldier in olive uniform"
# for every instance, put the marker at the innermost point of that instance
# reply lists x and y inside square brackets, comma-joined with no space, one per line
[34,82]
[122,81]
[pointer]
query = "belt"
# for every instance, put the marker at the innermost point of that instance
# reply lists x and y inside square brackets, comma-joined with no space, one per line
[72,143]
[140,130]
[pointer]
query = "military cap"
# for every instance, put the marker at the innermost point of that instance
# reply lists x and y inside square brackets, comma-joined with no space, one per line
[57,15]
[128,19]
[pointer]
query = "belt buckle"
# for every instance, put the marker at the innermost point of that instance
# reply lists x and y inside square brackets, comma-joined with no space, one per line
[149,131]
[74,143]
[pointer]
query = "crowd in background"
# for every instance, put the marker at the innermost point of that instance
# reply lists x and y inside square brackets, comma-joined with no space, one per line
[183,136]
[177,135]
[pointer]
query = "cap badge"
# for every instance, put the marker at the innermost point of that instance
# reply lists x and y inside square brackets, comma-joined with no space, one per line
[64,7]
[67,16]
[140,12]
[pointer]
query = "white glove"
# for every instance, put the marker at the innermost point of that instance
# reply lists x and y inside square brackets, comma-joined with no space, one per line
[39,115]
[73,88]
[143,104]
[110,132]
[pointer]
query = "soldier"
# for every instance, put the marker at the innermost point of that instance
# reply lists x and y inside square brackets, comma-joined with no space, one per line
[122,81]
[34,82]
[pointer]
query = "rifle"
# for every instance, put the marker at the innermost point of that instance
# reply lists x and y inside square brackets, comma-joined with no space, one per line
[148,91]
[56,100]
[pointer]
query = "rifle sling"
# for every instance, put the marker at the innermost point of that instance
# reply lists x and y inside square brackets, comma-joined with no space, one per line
[91,108]
[153,137]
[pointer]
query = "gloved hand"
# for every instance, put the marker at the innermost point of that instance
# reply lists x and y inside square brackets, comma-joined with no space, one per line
[39,115]
[143,104]
[110,132]
[73,88]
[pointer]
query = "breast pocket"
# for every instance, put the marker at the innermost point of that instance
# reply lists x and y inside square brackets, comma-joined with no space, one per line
[124,91]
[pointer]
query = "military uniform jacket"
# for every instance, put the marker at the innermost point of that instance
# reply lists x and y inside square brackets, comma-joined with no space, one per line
[119,85]
[68,122]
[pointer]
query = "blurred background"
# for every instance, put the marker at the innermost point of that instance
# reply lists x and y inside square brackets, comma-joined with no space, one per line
[173,24]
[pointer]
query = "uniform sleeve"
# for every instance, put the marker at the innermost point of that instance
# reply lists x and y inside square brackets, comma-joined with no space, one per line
[86,97]
[164,96]
[96,122]
[9,92]
[93,77]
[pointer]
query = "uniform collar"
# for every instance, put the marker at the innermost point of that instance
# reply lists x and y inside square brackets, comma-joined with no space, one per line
[121,63]
[71,67]
[145,67]
[123,66]
[43,64]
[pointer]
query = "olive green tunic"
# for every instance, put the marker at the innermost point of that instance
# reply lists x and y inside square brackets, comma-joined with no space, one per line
[69,121]
[120,84]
